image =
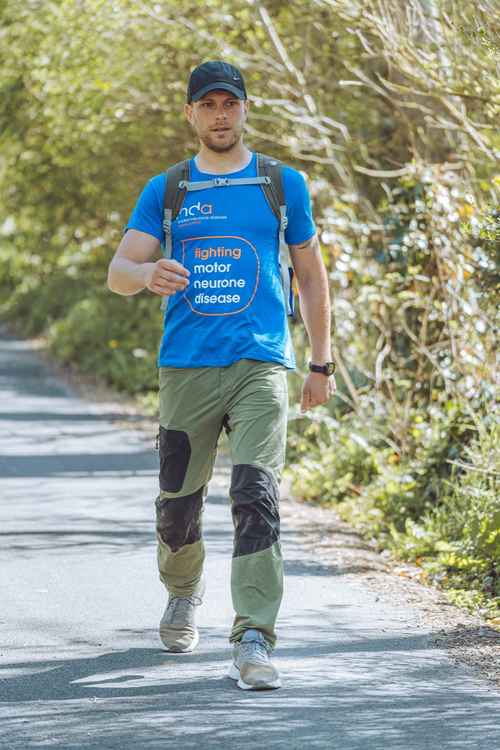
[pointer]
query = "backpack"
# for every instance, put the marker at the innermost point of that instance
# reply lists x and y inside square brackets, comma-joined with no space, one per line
[269,177]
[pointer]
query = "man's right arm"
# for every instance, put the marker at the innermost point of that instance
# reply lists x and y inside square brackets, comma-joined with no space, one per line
[132,268]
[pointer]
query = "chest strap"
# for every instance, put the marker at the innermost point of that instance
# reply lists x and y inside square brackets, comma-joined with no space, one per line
[223,182]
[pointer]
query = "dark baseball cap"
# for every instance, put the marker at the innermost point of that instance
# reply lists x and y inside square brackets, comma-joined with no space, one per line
[214,75]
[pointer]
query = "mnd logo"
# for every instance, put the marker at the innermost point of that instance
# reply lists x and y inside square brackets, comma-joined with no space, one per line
[224,274]
[197,209]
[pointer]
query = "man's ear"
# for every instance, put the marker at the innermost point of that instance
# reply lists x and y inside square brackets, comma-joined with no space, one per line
[188,111]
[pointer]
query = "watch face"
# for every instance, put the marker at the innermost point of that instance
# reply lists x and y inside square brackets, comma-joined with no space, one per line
[330,368]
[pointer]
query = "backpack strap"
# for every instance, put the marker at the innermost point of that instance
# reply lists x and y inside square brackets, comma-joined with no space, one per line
[275,195]
[172,204]
[273,188]
[177,176]
[269,177]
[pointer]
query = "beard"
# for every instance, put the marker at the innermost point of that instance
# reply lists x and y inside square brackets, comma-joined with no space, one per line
[221,148]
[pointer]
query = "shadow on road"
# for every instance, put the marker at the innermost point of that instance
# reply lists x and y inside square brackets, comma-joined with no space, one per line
[145,698]
[83,464]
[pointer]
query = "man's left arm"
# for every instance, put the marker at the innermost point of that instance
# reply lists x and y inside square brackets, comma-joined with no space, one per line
[314,299]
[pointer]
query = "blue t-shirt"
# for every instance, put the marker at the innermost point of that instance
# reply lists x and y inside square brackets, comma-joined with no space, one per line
[233,307]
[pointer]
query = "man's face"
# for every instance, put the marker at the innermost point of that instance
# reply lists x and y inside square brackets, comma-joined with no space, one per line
[218,119]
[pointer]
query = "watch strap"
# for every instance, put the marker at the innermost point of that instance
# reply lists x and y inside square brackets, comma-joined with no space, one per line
[327,369]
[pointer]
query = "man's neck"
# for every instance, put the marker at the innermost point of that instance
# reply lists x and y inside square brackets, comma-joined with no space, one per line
[222,163]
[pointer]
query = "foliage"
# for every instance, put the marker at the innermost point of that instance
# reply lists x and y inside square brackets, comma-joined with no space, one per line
[128,333]
[439,508]
[330,458]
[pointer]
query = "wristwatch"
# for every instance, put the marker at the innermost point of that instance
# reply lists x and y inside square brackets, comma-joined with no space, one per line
[327,369]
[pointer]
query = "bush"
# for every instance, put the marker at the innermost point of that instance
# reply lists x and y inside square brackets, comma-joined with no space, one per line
[329,460]
[114,338]
[458,543]
[440,509]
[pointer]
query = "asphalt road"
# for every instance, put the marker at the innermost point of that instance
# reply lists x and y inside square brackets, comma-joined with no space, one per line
[81,666]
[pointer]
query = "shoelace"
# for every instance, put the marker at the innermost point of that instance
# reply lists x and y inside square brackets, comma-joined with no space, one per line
[180,608]
[253,651]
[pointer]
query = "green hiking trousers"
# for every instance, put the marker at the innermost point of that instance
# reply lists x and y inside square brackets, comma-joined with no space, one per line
[250,400]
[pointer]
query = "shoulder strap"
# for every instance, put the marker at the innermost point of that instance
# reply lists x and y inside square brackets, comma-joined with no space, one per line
[273,190]
[172,204]
[174,194]
[275,195]
[173,199]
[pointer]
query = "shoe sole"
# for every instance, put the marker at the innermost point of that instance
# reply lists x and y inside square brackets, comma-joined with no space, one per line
[234,674]
[176,650]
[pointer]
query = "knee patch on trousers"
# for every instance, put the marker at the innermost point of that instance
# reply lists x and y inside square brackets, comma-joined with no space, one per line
[255,509]
[178,520]
[175,453]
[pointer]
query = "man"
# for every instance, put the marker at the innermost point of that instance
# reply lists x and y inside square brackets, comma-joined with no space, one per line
[223,362]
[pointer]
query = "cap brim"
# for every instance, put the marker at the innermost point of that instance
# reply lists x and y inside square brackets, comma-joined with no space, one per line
[222,86]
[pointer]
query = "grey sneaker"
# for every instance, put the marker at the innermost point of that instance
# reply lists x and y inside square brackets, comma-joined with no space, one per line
[252,667]
[178,630]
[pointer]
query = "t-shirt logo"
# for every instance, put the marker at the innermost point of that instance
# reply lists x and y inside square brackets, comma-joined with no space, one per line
[224,274]
[197,209]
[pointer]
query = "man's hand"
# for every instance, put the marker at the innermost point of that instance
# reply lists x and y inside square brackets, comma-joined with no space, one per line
[317,390]
[165,277]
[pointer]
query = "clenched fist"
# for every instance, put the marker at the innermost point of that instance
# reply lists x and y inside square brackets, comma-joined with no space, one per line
[166,277]
[317,390]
